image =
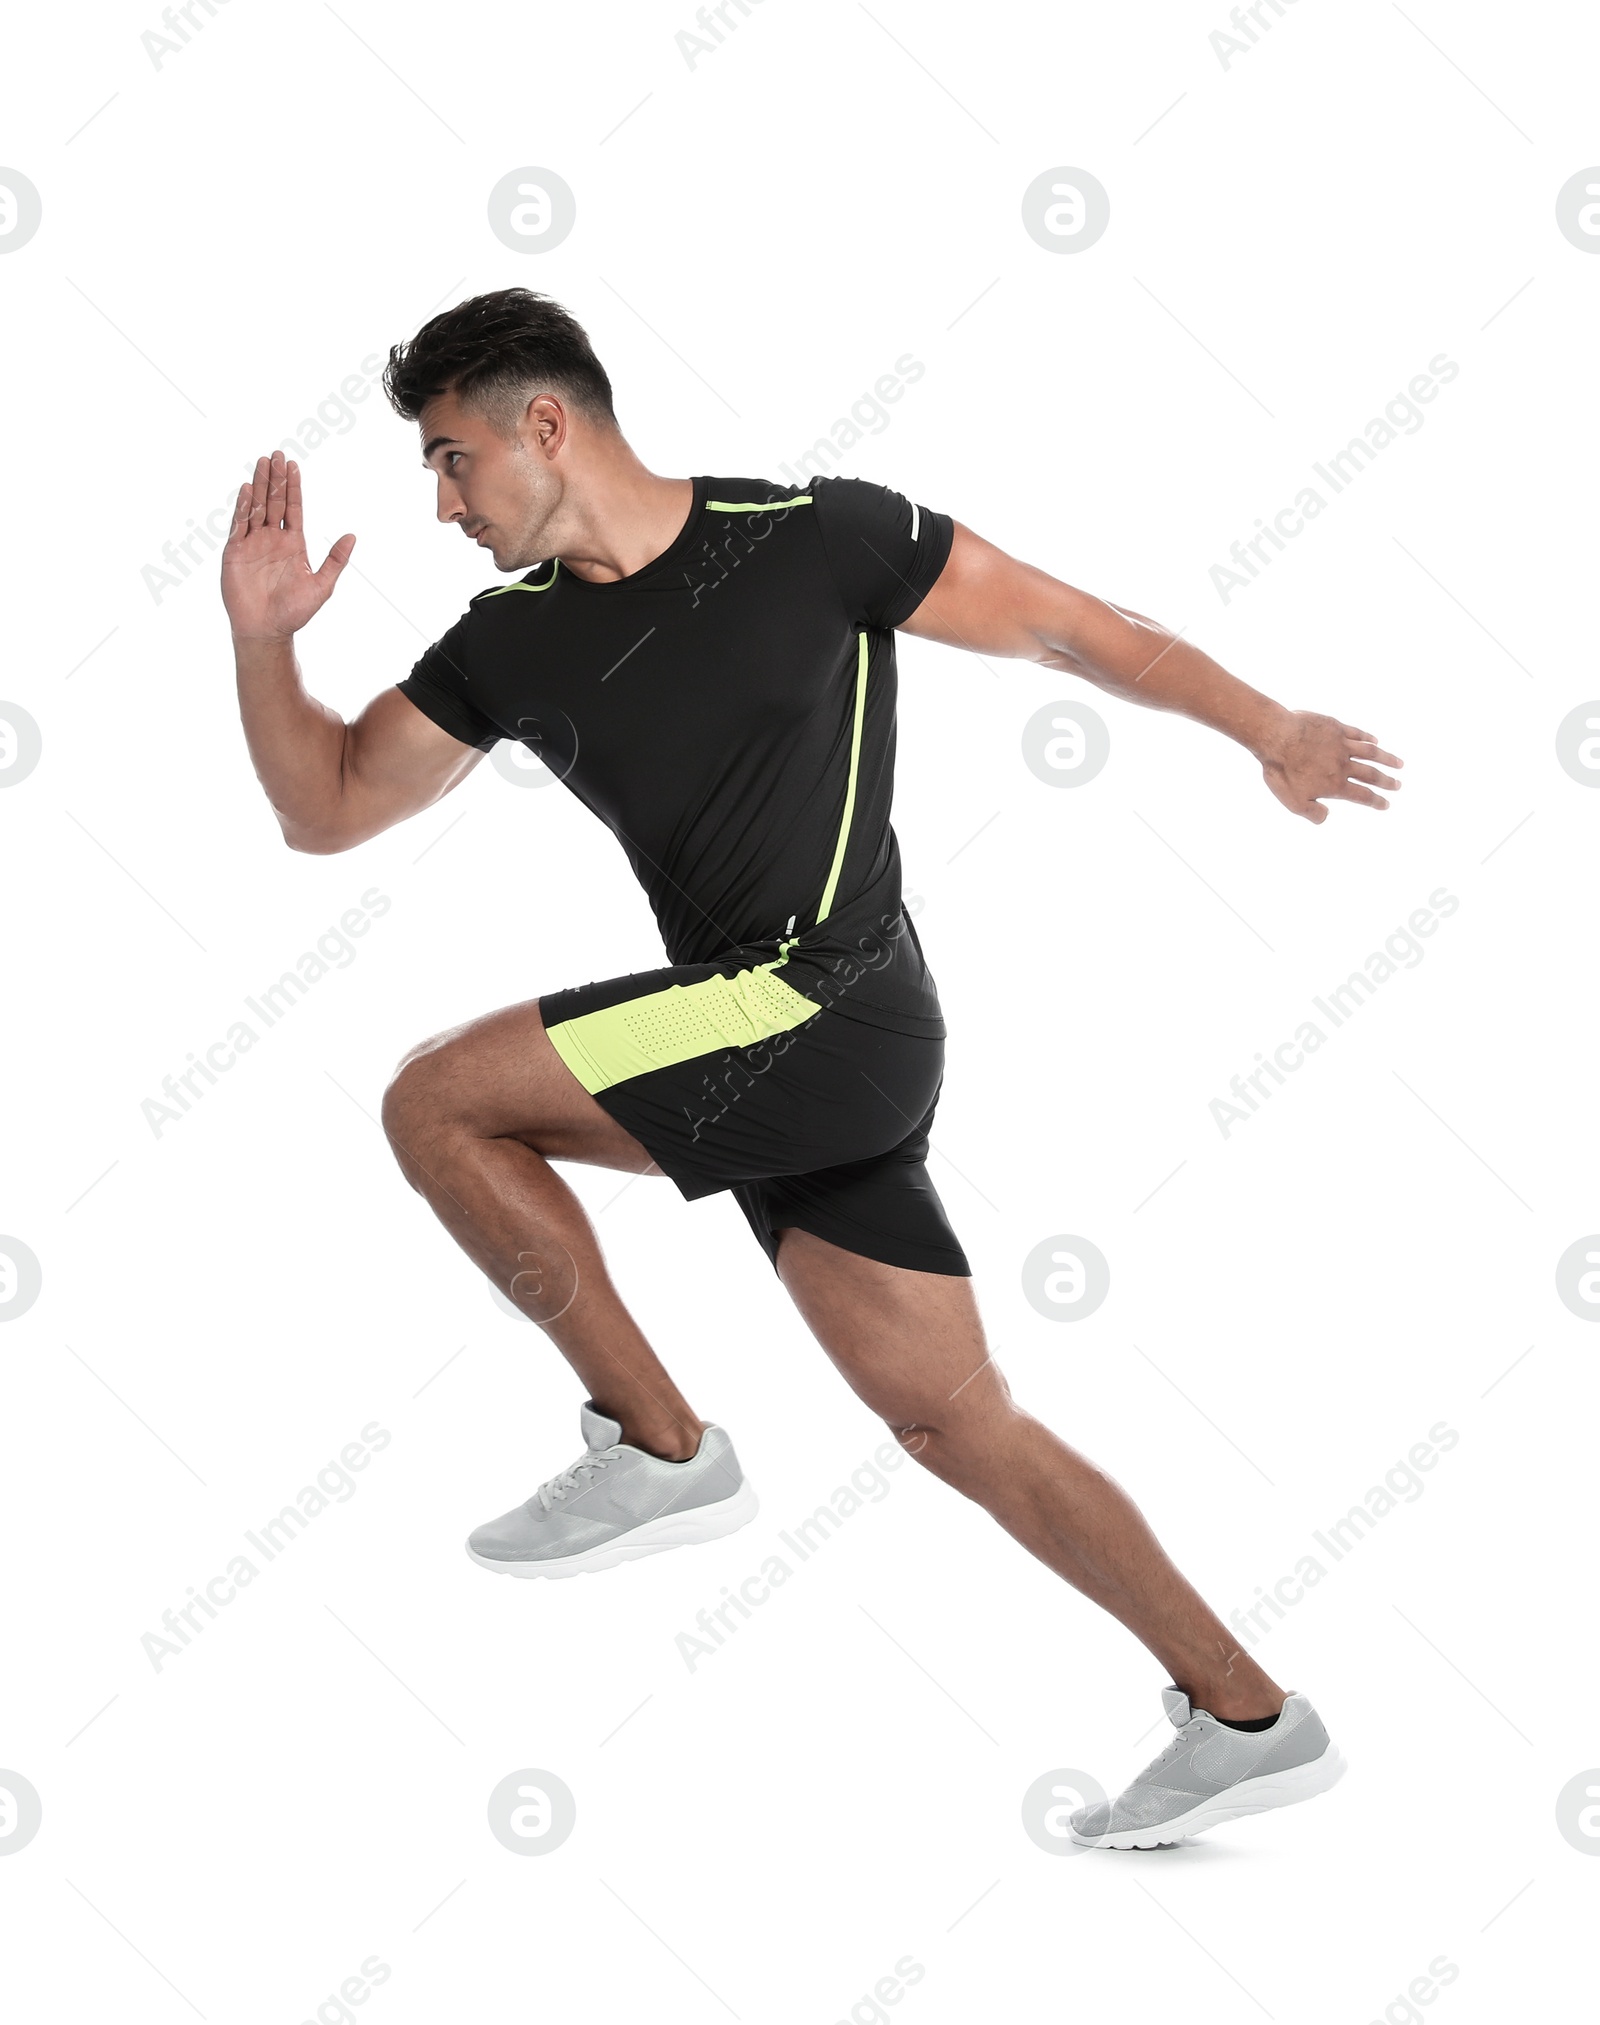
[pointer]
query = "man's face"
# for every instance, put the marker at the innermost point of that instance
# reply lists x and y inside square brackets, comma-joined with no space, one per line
[501,491]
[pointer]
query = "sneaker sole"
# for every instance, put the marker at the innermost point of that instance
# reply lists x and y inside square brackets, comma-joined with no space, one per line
[655,1536]
[1249,1796]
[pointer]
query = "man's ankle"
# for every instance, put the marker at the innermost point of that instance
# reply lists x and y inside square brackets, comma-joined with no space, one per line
[1233,1701]
[671,1441]
[1239,1708]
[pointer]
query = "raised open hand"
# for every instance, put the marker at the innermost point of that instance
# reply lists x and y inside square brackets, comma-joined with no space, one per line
[1310,756]
[268,587]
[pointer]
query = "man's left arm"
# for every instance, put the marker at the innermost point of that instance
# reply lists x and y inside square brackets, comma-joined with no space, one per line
[989,603]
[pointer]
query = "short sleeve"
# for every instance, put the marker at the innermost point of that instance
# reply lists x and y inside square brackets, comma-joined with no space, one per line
[884,551]
[440,686]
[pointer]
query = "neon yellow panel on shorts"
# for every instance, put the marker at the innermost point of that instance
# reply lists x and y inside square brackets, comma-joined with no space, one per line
[666,1027]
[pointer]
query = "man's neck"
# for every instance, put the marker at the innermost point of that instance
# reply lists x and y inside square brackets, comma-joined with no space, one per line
[626,518]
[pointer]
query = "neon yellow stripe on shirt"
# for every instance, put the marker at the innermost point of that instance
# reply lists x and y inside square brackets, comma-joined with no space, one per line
[520,586]
[755,505]
[850,789]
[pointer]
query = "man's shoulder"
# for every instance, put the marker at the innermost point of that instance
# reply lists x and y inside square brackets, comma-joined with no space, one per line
[755,495]
[793,491]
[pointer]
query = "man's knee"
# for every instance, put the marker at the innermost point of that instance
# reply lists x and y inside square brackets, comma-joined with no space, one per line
[443,1089]
[417,1097]
[944,1437]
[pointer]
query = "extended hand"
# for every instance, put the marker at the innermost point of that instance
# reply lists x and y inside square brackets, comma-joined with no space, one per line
[1308,756]
[269,588]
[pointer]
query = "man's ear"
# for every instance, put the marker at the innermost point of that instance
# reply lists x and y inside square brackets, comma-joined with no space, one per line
[545,424]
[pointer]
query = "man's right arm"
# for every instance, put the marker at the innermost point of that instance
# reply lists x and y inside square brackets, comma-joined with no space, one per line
[331,784]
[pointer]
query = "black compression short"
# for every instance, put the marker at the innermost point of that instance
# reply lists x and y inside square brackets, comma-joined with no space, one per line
[814,1121]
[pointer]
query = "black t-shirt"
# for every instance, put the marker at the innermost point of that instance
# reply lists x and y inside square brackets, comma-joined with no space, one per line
[728,711]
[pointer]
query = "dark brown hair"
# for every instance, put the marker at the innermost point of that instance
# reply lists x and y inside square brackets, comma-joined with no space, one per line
[494,352]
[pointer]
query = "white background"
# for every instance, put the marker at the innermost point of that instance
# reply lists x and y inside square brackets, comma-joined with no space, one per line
[225,1305]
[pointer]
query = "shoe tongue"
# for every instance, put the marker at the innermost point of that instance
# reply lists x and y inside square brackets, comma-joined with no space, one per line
[598,1430]
[1176,1704]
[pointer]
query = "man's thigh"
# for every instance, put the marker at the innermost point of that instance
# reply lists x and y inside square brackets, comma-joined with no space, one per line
[910,1344]
[500,1077]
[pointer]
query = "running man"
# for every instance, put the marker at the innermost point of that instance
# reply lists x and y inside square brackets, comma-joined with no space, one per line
[709,665]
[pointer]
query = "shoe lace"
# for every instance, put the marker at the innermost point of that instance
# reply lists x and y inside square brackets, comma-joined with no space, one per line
[567,1479]
[1184,1738]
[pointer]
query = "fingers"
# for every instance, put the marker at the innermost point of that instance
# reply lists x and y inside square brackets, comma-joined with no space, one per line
[338,556]
[1362,765]
[1352,790]
[277,490]
[1367,747]
[269,492]
[1350,765]
[1313,812]
[241,514]
[271,499]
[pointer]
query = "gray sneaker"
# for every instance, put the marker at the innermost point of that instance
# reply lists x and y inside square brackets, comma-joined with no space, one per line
[1209,1774]
[616,1503]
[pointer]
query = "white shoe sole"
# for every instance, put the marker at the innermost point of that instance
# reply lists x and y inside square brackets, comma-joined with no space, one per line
[655,1536]
[1249,1796]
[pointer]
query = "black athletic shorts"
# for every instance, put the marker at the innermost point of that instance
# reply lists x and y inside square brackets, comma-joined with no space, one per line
[732,1080]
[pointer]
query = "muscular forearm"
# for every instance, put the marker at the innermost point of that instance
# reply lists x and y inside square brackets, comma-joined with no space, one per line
[1133,657]
[1303,755]
[990,603]
[332,785]
[296,743]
